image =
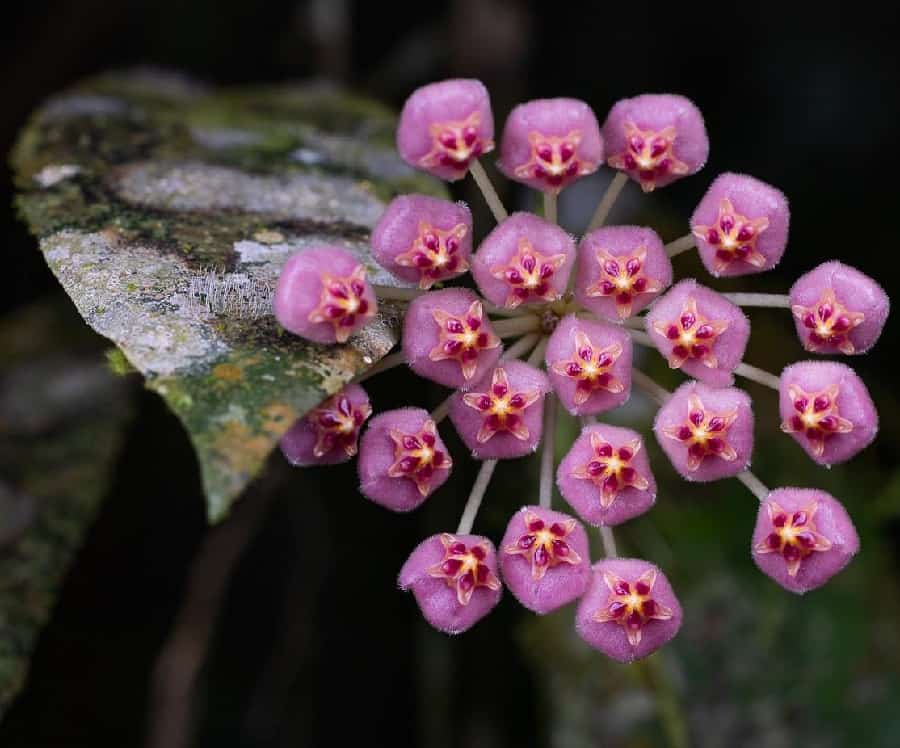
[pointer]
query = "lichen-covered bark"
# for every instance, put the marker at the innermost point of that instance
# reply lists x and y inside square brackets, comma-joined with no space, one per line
[62,414]
[166,210]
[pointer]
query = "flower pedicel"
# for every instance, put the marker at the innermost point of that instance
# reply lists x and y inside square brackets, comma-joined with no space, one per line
[573,309]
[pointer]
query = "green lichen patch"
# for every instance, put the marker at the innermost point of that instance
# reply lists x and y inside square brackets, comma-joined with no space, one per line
[166,209]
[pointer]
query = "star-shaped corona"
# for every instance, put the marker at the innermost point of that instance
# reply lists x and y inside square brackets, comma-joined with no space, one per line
[816,416]
[631,605]
[623,278]
[463,338]
[342,304]
[793,535]
[544,545]
[463,568]
[648,155]
[692,336]
[734,237]
[417,456]
[337,423]
[455,144]
[828,323]
[435,254]
[590,368]
[610,468]
[501,408]
[704,433]
[555,160]
[528,274]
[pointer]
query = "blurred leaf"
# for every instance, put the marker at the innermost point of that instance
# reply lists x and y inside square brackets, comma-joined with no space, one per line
[61,419]
[167,209]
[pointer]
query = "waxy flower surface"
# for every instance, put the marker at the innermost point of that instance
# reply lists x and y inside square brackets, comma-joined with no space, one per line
[574,310]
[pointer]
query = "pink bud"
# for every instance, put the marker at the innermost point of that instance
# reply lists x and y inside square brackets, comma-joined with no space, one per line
[589,364]
[448,338]
[549,143]
[423,239]
[803,537]
[445,126]
[629,610]
[827,409]
[838,309]
[329,433]
[402,459]
[741,226]
[606,477]
[524,260]
[545,559]
[501,416]
[322,295]
[699,331]
[454,580]
[621,269]
[706,432]
[655,139]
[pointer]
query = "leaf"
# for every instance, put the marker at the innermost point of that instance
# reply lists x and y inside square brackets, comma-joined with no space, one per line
[166,210]
[62,416]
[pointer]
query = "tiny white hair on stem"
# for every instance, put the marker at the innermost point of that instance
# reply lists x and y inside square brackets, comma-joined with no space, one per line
[239,295]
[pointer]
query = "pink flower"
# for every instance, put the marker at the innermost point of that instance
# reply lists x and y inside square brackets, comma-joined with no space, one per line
[322,295]
[827,409]
[838,309]
[454,580]
[589,364]
[501,417]
[423,239]
[606,475]
[525,260]
[621,269]
[549,143]
[329,433]
[629,611]
[706,433]
[545,559]
[741,226]
[803,537]
[448,338]
[445,126]
[402,459]
[699,332]
[655,139]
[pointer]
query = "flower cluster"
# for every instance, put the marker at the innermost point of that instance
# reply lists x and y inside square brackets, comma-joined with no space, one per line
[573,311]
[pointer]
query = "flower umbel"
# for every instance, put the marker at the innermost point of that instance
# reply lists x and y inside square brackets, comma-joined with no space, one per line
[572,308]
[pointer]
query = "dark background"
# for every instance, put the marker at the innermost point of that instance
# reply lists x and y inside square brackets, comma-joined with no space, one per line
[311,645]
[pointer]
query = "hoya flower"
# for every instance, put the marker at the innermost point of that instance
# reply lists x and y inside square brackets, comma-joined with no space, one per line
[838,309]
[589,364]
[501,416]
[621,269]
[448,338]
[699,331]
[329,433]
[545,559]
[741,226]
[827,409]
[525,260]
[629,611]
[655,139]
[402,459]
[803,537]
[322,295]
[445,126]
[606,477]
[706,433]
[454,580]
[549,143]
[423,239]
